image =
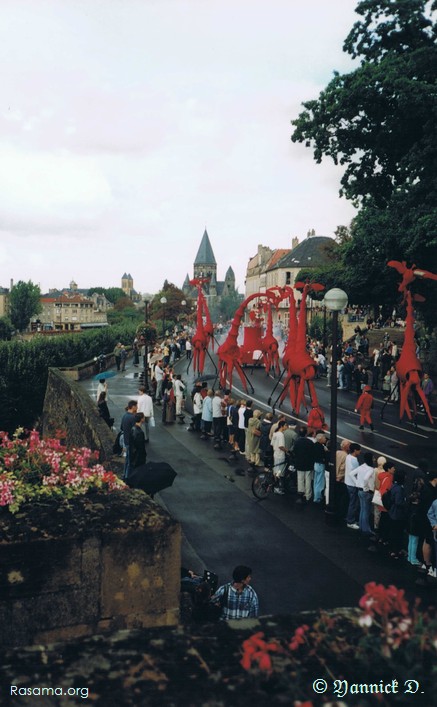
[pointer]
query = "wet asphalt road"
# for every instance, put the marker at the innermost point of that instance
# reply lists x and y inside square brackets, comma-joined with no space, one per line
[299,561]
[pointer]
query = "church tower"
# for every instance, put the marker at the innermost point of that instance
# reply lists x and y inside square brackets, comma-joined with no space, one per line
[205,264]
[127,284]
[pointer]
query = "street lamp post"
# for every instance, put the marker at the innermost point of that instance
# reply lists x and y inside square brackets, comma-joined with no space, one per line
[335,300]
[163,301]
[146,344]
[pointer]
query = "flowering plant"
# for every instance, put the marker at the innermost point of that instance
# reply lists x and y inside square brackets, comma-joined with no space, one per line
[32,468]
[385,637]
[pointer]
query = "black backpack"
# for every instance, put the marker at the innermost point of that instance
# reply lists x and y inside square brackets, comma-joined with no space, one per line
[117,448]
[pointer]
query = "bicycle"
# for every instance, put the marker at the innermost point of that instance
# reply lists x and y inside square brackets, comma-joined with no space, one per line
[265,481]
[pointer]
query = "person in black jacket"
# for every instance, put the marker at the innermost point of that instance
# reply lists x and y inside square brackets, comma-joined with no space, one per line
[103,409]
[397,514]
[137,443]
[304,463]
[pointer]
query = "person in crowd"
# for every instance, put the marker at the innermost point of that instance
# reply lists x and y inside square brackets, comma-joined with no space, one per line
[179,390]
[304,463]
[397,515]
[127,422]
[376,500]
[117,354]
[364,476]
[158,374]
[265,442]
[136,353]
[340,460]
[427,386]
[427,496]
[188,349]
[290,437]
[197,407]
[103,409]
[168,397]
[320,461]
[241,434]
[279,455]
[218,418]
[237,598]
[137,443]
[207,415]
[248,413]
[253,438]
[123,357]
[232,423]
[102,387]
[385,483]
[364,407]
[353,507]
[432,518]
[394,385]
[145,405]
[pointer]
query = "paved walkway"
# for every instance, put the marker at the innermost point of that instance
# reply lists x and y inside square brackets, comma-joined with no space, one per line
[299,563]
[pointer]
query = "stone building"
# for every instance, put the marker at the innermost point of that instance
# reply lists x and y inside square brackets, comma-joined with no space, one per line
[127,285]
[71,309]
[4,302]
[283,265]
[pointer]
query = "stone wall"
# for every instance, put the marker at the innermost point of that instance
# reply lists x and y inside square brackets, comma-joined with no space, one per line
[67,407]
[85,566]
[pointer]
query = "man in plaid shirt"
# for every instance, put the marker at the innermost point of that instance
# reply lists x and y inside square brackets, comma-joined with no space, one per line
[237,599]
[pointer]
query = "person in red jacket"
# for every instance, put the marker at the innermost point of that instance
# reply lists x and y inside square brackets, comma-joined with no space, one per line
[364,407]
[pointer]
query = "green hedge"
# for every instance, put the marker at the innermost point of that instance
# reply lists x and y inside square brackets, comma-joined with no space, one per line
[24,368]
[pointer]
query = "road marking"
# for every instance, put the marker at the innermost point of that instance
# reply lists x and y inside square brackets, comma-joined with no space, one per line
[404,429]
[404,444]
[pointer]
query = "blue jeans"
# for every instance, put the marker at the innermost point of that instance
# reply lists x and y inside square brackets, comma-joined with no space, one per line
[319,481]
[353,509]
[365,499]
[413,542]
[126,464]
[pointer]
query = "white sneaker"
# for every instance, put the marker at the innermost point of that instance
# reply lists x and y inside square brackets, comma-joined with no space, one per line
[354,526]
[432,572]
[277,490]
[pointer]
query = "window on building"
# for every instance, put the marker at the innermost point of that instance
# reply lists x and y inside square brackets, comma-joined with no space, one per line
[288,277]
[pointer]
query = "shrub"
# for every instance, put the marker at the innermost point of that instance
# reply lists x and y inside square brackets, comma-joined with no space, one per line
[385,641]
[32,468]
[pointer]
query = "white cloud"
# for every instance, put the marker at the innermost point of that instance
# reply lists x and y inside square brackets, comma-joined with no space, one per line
[137,123]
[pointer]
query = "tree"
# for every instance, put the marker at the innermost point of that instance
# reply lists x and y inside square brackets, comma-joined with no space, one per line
[113,294]
[173,307]
[24,302]
[6,329]
[379,122]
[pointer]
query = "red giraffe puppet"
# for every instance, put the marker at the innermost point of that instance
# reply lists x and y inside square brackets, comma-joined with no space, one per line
[204,332]
[229,353]
[408,366]
[301,368]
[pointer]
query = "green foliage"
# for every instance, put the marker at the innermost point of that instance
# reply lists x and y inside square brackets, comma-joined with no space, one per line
[24,301]
[6,329]
[24,368]
[113,294]
[229,304]
[379,122]
[172,310]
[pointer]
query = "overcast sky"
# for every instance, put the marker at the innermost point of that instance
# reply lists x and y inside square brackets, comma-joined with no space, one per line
[127,126]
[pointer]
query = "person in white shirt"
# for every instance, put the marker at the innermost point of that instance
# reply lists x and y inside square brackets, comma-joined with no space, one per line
[101,388]
[197,409]
[364,476]
[179,391]
[279,450]
[145,405]
[218,417]
[351,464]
[159,376]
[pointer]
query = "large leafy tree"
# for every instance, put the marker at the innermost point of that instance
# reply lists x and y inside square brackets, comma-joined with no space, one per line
[24,301]
[379,121]
[113,294]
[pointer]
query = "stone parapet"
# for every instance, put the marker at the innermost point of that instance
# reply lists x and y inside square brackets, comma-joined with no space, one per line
[87,565]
